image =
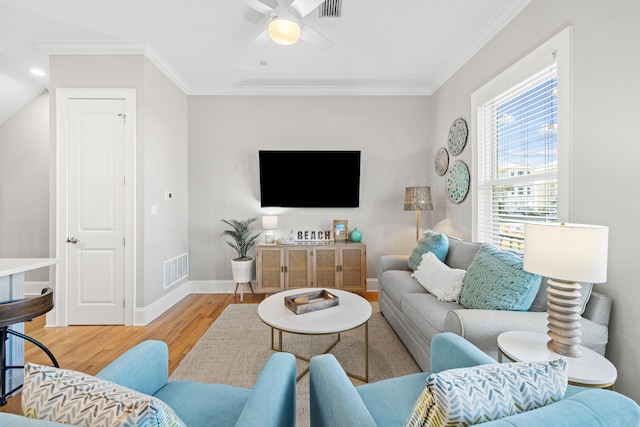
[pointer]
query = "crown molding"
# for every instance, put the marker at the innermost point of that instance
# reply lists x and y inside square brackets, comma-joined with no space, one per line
[116,47]
[499,21]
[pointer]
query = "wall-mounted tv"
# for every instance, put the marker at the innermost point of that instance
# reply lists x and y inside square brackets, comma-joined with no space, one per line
[309,178]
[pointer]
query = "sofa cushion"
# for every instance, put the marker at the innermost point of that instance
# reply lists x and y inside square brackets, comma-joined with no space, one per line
[496,280]
[426,313]
[439,279]
[398,283]
[467,396]
[72,397]
[430,241]
[540,301]
[461,253]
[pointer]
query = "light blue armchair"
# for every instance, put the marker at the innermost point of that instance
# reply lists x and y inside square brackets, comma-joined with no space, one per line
[335,402]
[144,368]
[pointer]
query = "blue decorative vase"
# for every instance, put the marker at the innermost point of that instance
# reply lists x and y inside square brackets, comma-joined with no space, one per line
[356,235]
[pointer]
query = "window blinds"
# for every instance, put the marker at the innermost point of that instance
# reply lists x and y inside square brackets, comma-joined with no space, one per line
[518,160]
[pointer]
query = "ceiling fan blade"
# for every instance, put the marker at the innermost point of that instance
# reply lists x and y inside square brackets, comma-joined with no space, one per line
[253,16]
[314,37]
[259,6]
[304,7]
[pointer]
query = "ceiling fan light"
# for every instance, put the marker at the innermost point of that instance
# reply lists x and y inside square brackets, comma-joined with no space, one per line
[284,31]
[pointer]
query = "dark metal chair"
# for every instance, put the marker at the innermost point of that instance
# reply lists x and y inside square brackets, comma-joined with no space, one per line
[18,311]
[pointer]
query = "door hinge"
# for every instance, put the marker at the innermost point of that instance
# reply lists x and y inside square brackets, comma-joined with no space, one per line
[124,241]
[124,304]
[124,180]
[124,117]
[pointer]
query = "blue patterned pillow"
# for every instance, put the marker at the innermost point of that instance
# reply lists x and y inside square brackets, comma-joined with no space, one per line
[71,397]
[468,396]
[430,241]
[496,280]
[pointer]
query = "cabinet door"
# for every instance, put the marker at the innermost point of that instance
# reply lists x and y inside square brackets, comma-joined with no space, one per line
[353,268]
[298,268]
[325,261]
[270,270]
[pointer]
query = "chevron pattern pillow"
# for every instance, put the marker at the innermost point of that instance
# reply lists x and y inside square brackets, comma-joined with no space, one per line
[468,396]
[75,398]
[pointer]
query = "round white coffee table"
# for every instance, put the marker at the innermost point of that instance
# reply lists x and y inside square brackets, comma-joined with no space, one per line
[351,312]
[590,370]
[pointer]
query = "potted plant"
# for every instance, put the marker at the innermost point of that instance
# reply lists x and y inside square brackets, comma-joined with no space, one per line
[241,238]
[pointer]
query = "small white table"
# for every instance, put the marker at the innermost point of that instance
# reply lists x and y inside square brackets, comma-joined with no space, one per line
[351,312]
[590,370]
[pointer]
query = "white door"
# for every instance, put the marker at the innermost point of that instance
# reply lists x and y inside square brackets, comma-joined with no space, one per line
[96,211]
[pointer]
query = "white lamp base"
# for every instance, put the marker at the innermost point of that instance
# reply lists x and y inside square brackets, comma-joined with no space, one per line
[563,315]
[269,237]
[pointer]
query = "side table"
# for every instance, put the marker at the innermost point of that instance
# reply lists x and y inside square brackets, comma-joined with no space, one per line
[590,370]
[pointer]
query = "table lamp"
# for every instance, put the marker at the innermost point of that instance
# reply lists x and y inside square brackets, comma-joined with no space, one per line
[568,254]
[269,223]
[417,199]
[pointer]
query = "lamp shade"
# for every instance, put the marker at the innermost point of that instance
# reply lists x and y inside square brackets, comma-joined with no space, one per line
[284,31]
[571,252]
[269,222]
[417,199]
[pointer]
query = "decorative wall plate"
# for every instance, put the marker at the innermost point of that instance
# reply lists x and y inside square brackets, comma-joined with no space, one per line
[458,181]
[442,161]
[457,136]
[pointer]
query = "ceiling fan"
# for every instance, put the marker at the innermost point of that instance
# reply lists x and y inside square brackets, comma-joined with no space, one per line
[281,20]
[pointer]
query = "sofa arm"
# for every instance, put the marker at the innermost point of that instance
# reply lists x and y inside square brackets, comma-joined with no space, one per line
[598,308]
[482,327]
[451,351]
[333,399]
[273,398]
[144,368]
[393,262]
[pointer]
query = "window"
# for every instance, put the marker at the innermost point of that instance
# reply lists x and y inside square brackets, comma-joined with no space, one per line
[520,165]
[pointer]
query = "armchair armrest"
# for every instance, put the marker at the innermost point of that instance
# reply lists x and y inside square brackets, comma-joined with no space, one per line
[144,368]
[451,351]
[273,398]
[341,403]
[393,262]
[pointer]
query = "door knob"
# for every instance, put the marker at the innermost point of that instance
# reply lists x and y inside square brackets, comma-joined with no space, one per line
[72,240]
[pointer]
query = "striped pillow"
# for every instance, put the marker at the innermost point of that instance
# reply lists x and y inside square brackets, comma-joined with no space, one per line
[71,397]
[468,396]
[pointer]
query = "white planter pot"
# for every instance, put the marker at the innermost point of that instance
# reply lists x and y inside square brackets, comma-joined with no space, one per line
[242,270]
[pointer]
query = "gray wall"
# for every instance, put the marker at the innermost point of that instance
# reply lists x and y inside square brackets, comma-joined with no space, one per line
[225,134]
[606,87]
[161,148]
[24,185]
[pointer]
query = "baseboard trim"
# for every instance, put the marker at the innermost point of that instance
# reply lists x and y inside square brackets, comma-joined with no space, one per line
[145,315]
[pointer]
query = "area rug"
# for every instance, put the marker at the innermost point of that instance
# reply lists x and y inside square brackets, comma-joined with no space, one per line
[237,345]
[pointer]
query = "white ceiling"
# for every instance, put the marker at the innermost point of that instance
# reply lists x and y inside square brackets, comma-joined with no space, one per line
[403,47]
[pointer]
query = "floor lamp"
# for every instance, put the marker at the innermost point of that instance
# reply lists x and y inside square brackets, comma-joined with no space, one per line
[417,199]
[568,254]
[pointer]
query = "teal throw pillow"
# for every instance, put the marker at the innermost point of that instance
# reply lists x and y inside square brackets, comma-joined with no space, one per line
[470,396]
[496,280]
[430,241]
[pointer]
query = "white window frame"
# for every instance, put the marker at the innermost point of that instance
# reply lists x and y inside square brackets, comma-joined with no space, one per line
[558,47]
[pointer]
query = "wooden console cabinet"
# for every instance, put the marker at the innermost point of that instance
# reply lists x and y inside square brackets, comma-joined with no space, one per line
[308,265]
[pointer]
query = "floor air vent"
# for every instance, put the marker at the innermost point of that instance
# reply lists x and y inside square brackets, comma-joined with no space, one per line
[176,269]
[330,9]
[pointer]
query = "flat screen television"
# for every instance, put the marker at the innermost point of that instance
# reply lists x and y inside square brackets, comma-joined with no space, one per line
[309,179]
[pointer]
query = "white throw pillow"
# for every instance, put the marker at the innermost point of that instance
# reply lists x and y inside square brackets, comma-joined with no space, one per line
[439,279]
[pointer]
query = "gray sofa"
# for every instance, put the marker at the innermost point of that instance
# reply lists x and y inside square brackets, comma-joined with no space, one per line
[416,315]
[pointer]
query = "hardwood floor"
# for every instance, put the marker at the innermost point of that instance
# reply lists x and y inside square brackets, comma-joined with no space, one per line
[90,348]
